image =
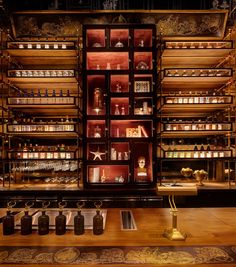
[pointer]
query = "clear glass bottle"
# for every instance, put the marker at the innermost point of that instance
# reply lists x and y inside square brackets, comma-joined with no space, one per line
[98,220]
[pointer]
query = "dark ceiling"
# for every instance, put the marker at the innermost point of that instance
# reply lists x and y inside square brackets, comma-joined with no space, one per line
[15,5]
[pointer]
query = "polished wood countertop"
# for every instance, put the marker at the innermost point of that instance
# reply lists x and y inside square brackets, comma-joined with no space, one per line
[204,226]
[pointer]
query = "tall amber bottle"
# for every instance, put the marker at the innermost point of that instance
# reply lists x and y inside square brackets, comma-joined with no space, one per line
[43,220]
[98,220]
[26,220]
[60,220]
[79,220]
[8,222]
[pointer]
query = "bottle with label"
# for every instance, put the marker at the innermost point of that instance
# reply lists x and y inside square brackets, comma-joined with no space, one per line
[25,151]
[60,220]
[43,220]
[169,153]
[8,222]
[19,154]
[195,153]
[202,151]
[79,220]
[208,153]
[98,220]
[26,220]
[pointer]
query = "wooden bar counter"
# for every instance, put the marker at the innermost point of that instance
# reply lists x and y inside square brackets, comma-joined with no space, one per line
[204,227]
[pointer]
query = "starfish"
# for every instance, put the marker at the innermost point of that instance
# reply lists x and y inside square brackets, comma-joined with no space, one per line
[97,154]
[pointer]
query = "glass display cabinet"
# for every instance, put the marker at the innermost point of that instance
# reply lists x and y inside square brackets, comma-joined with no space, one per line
[120,70]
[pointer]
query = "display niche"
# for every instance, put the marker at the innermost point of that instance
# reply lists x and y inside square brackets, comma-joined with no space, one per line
[120,94]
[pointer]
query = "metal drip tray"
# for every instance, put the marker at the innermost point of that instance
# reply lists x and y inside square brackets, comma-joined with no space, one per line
[127,220]
[88,218]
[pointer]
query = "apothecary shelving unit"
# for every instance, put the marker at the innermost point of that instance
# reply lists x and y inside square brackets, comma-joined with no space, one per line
[195,107]
[44,112]
[120,74]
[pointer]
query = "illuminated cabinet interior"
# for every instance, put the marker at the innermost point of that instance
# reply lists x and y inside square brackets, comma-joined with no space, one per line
[119,81]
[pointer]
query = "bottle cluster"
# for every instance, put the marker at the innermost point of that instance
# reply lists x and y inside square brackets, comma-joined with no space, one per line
[42,152]
[202,152]
[26,98]
[196,45]
[41,73]
[29,125]
[44,221]
[198,72]
[197,126]
[178,98]
[42,46]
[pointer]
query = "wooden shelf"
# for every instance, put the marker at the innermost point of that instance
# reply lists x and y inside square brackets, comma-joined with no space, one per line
[191,110]
[42,53]
[194,82]
[45,80]
[192,54]
[51,135]
[191,134]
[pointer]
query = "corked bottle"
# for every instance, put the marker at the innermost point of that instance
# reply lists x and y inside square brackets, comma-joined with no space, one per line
[43,220]
[60,220]
[8,222]
[26,220]
[98,220]
[79,220]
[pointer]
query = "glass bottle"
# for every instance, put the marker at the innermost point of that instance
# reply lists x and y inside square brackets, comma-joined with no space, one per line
[79,220]
[43,220]
[195,153]
[208,153]
[123,110]
[25,151]
[98,220]
[26,220]
[97,99]
[117,111]
[169,153]
[8,222]
[202,152]
[60,220]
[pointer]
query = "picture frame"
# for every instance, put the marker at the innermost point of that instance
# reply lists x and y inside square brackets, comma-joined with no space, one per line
[142,85]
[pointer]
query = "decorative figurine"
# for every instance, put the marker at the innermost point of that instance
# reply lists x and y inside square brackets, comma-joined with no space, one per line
[200,176]
[186,172]
[97,154]
[142,171]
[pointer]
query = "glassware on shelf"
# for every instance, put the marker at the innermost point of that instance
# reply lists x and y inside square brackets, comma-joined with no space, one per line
[117,111]
[141,43]
[97,100]
[119,44]
[97,132]
[96,45]
[142,66]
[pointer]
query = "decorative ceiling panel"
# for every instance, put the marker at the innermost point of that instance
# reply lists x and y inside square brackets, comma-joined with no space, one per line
[178,24]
